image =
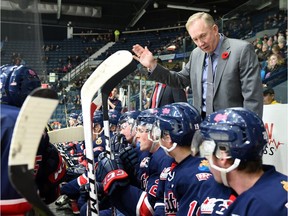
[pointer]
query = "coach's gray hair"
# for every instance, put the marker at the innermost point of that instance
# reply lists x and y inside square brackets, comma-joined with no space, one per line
[200,15]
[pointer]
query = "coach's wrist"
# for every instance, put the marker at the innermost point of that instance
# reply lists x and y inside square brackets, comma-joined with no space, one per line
[152,66]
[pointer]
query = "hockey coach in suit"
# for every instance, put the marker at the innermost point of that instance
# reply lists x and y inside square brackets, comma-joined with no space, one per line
[235,68]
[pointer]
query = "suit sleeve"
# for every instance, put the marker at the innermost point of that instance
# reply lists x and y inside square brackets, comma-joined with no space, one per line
[172,78]
[179,95]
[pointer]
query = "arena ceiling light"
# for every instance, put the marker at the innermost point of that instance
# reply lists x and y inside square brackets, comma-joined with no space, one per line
[266,4]
[187,8]
[136,19]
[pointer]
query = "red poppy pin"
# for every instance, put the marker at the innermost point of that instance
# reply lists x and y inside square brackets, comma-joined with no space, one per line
[225,55]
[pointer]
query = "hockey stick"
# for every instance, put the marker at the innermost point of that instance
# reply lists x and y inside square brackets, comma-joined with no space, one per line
[116,63]
[64,155]
[105,91]
[26,136]
[67,134]
[73,133]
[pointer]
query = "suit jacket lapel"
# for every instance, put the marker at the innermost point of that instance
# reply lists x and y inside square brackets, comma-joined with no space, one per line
[221,63]
[199,67]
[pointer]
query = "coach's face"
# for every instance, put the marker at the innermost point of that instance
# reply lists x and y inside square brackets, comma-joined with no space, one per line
[205,36]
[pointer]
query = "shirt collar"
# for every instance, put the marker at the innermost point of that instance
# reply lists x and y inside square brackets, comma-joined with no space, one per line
[217,50]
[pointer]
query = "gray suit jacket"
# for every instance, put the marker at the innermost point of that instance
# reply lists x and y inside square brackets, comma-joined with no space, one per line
[237,81]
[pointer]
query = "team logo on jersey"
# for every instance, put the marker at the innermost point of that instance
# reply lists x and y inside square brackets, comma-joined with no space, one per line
[203,176]
[170,176]
[204,165]
[145,162]
[285,185]
[99,141]
[171,203]
[164,173]
[213,205]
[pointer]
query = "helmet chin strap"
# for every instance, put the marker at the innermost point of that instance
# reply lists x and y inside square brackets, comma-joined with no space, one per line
[98,132]
[168,150]
[224,171]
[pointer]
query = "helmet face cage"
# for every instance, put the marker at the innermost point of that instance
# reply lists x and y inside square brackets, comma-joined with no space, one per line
[215,142]
[147,118]
[128,118]
[240,130]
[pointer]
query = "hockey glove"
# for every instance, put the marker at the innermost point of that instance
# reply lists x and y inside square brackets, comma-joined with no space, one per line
[118,142]
[51,174]
[129,157]
[110,173]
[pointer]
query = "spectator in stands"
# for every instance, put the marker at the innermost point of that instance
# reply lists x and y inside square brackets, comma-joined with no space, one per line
[270,43]
[77,101]
[264,53]
[236,66]
[282,46]
[69,59]
[17,61]
[275,64]
[269,96]
[276,50]
[258,46]
[113,101]
[78,59]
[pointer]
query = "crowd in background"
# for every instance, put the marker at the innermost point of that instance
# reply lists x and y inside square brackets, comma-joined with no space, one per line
[270,49]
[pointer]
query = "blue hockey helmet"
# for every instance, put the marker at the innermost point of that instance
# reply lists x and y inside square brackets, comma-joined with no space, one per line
[98,117]
[147,117]
[114,116]
[23,80]
[73,116]
[238,131]
[180,120]
[129,116]
[5,74]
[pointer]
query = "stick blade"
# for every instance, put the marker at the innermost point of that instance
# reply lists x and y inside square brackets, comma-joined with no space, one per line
[66,134]
[29,127]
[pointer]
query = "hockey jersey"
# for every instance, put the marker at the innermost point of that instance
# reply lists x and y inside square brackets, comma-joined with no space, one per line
[49,167]
[182,184]
[132,200]
[268,196]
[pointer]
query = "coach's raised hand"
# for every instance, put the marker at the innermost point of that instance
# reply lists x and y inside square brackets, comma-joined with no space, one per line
[144,56]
